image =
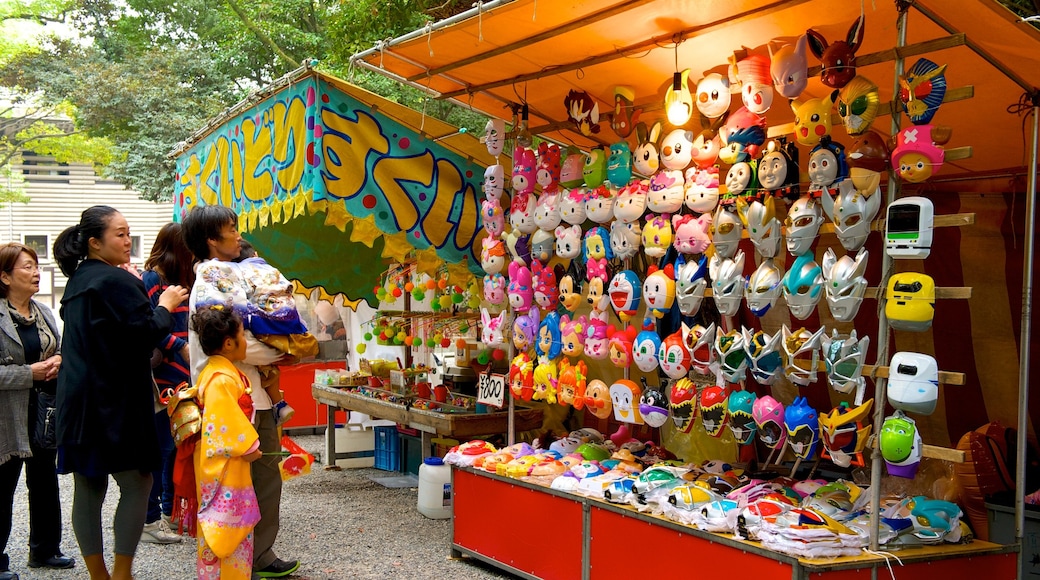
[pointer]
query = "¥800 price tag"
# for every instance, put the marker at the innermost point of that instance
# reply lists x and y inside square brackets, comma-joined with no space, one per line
[491,389]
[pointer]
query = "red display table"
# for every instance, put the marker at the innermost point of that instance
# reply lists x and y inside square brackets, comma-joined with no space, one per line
[535,532]
[295,382]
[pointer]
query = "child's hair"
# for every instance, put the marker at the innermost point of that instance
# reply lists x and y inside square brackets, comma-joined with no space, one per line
[213,325]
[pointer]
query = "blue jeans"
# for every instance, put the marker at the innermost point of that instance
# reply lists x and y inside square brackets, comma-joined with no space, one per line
[160,500]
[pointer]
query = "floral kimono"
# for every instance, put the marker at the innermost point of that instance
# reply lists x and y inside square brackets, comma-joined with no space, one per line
[228,508]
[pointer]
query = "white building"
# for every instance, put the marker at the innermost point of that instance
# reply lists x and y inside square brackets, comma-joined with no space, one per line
[58,194]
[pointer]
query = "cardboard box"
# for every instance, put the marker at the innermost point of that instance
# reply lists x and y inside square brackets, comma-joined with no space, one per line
[359,442]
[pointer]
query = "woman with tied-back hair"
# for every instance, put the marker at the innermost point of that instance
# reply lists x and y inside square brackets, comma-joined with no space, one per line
[105,406]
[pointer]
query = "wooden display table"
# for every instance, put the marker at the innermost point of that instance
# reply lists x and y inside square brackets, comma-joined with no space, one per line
[506,522]
[428,423]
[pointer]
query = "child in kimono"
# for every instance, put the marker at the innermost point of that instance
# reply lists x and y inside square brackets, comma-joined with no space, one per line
[228,508]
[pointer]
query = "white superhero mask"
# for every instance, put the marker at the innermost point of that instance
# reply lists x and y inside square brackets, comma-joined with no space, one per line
[690,282]
[727,276]
[845,283]
[852,211]
[803,224]
[800,348]
[844,359]
[763,287]
[726,230]
[763,356]
[759,218]
[803,286]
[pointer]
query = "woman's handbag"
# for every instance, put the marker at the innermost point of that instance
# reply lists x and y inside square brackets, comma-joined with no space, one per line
[185,414]
[44,435]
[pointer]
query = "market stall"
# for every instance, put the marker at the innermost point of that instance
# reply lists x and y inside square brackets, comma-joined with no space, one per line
[932,203]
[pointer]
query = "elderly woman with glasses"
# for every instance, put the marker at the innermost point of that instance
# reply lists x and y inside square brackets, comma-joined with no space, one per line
[30,355]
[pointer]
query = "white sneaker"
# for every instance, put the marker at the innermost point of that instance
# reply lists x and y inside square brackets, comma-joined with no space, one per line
[283,412]
[159,532]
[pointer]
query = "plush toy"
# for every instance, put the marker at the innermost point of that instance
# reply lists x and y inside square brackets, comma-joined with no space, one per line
[572,206]
[729,351]
[542,244]
[838,60]
[597,336]
[690,282]
[572,333]
[568,241]
[741,422]
[726,230]
[626,115]
[571,384]
[845,283]
[631,202]
[595,170]
[868,157]
[778,169]
[762,352]
[521,288]
[625,238]
[645,159]
[713,95]
[858,105]
[493,217]
[917,154]
[759,218]
[763,288]
[789,68]
[751,74]
[803,286]
[547,211]
[596,253]
[599,204]
[546,289]
[844,433]
[921,90]
[682,404]
[674,357]
[583,111]
[741,181]
[691,234]
[596,295]
[624,396]
[549,341]
[657,235]
[803,222]
[494,136]
[666,192]
[852,211]
[803,428]
[625,293]
[570,289]
[545,381]
[619,164]
[494,288]
[525,330]
[769,418]
[712,408]
[645,347]
[521,377]
[619,346]
[700,341]
[494,182]
[844,359]
[571,172]
[519,246]
[597,399]
[799,348]
[812,119]
[728,283]
[653,405]
[659,290]
[827,166]
[742,136]
[521,213]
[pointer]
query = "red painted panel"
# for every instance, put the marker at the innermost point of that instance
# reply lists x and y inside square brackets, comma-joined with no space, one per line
[295,381]
[857,574]
[514,525]
[664,553]
[992,567]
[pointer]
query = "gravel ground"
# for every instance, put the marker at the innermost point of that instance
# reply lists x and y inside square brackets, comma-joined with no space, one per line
[339,524]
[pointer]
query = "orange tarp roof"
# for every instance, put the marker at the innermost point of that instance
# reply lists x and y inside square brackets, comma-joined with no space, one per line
[535,52]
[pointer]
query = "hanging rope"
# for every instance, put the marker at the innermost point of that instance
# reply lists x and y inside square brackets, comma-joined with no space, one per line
[480,20]
[429,36]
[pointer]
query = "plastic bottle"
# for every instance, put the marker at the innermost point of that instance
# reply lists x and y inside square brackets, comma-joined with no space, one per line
[435,489]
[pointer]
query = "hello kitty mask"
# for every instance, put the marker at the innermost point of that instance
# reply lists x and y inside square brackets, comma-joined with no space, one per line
[631,202]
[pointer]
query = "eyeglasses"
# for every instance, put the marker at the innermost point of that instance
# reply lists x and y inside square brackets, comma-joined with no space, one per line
[30,267]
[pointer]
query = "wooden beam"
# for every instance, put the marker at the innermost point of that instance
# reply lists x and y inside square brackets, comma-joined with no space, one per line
[943,453]
[546,35]
[959,39]
[945,377]
[952,220]
[958,153]
[655,42]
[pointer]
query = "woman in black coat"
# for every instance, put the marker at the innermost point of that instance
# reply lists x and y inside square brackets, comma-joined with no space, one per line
[105,417]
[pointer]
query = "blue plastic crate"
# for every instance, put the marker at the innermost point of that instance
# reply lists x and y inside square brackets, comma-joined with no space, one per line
[388,449]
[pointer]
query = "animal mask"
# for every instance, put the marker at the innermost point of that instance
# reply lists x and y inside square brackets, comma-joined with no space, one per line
[541,247]
[519,246]
[645,159]
[547,211]
[572,206]
[493,217]
[626,293]
[626,115]
[666,193]
[677,149]
[494,136]
[596,335]
[713,95]
[858,105]
[625,238]
[525,170]
[756,88]
[838,59]
[691,234]
[583,111]
[812,119]
[742,136]
[921,90]
[568,242]
[521,289]
[546,291]
[491,329]
[494,181]
[702,189]
[596,294]
[788,68]
[599,205]
[570,289]
[521,213]
[631,202]
[657,235]
[917,155]
[595,170]
[619,164]
[548,174]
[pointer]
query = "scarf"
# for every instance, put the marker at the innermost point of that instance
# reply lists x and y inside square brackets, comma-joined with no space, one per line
[48,342]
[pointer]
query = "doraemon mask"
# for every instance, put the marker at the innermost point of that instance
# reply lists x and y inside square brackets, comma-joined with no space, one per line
[803,286]
[644,350]
[858,104]
[769,417]
[673,357]
[803,224]
[800,349]
[682,404]
[741,422]
[763,355]
[803,428]
[626,293]
[631,202]
[494,136]
[599,206]
[690,283]
[763,287]
[625,238]
[844,360]
[921,90]
[844,435]
[729,351]
[726,230]
[494,181]
[700,342]
[845,283]
[827,165]
[901,445]
[727,285]
[713,410]
[713,95]
[759,218]
[852,211]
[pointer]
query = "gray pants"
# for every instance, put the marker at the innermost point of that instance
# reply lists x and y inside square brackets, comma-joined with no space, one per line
[267,482]
[128,523]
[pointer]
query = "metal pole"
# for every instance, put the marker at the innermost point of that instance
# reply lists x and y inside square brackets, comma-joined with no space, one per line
[1024,342]
[876,466]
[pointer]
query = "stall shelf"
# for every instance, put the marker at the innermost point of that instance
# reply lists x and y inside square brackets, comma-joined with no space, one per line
[428,423]
[505,522]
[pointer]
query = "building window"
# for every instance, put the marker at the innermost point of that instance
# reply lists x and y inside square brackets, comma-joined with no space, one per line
[135,247]
[39,244]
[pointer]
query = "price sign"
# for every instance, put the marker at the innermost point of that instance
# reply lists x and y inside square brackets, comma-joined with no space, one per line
[491,389]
